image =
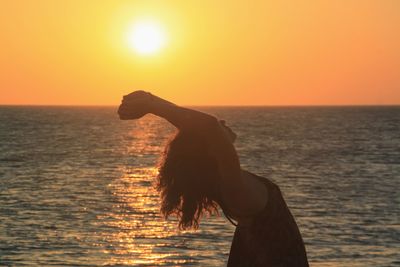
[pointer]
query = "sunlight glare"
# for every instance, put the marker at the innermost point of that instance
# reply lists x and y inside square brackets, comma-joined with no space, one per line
[146,37]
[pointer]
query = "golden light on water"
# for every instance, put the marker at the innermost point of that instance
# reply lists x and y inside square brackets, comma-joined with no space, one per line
[137,231]
[135,219]
[146,37]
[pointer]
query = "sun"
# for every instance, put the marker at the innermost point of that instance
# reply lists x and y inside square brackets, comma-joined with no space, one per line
[146,37]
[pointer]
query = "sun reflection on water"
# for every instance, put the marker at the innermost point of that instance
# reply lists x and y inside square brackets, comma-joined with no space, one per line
[137,232]
[136,227]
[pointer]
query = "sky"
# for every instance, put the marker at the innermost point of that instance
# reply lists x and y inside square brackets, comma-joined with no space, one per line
[342,52]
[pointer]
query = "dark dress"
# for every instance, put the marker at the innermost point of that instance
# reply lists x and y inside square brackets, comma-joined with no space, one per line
[272,239]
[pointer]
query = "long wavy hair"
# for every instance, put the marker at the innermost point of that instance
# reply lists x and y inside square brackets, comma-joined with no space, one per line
[188,180]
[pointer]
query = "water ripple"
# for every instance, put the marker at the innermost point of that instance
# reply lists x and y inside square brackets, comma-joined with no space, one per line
[77,186]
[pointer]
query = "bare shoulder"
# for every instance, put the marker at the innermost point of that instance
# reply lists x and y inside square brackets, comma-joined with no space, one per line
[257,188]
[259,179]
[255,200]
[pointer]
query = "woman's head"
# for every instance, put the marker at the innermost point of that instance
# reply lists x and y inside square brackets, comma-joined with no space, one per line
[187,179]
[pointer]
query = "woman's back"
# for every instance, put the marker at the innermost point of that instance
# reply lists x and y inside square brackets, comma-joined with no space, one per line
[272,238]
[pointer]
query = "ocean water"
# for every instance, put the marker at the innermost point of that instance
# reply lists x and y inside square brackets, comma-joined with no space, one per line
[76,185]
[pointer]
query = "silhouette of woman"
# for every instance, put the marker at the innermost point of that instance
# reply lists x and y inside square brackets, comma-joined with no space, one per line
[200,171]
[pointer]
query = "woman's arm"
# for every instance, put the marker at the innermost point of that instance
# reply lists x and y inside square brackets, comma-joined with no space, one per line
[139,103]
[237,193]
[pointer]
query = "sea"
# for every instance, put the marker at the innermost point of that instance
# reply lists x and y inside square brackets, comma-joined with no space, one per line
[77,185]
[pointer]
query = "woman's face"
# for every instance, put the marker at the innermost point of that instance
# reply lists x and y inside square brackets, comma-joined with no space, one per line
[231,134]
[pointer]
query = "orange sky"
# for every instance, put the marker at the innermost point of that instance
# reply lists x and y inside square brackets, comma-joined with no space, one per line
[218,52]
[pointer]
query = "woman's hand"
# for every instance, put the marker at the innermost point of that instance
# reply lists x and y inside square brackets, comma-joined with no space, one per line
[136,105]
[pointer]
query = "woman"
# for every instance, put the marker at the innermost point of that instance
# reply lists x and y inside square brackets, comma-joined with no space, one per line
[201,171]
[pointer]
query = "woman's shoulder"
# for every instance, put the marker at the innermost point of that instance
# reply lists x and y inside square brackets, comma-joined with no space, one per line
[265,191]
[263,180]
[274,196]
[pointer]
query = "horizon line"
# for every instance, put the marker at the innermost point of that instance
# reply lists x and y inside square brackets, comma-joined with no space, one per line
[218,105]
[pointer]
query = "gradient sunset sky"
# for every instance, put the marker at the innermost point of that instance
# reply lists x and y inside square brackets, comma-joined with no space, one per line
[74,52]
